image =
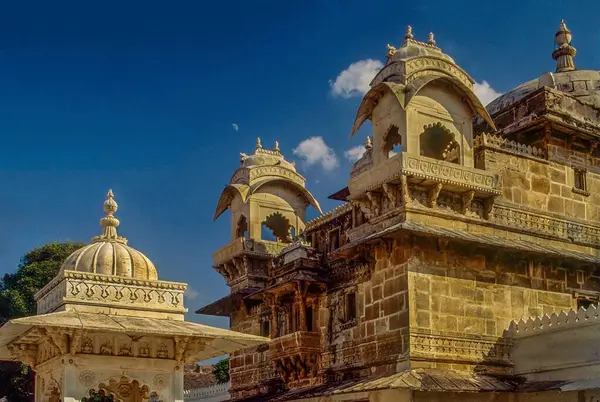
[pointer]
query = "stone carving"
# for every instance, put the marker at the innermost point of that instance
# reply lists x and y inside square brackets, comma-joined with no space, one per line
[163,351]
[106,348]
[161,381]
[87,378]
[87,345]
[125,350]
[144,349]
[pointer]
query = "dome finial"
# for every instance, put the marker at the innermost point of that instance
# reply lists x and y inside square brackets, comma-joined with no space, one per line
[258,144]
[109,223]
[431,39]
[276,149]
[565,52]
[408,33]
[368,143]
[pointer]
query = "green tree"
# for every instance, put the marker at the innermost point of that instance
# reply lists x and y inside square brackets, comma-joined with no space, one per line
[36,269]
[221,371]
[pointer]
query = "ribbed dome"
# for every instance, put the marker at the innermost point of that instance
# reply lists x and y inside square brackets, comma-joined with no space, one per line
[109,253]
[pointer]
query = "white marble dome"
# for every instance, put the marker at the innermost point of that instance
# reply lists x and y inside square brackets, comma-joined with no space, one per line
[109,253]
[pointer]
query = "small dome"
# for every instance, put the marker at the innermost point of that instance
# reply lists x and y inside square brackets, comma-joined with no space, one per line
[412,48]
[109,253]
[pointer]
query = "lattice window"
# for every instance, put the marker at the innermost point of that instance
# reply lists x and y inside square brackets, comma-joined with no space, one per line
[580,182]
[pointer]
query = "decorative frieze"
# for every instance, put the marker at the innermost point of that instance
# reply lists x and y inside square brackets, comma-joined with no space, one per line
[555,321]
[463,348]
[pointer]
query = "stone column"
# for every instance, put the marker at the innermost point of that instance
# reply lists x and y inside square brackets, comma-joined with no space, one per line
[274,318]
[301,302]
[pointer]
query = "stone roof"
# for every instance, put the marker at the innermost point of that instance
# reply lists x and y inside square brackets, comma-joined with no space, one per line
[426,380]
[216,341]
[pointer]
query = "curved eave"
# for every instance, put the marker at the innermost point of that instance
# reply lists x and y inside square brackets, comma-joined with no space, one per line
[310,199]
[418,84]
[371,99]
[227,195]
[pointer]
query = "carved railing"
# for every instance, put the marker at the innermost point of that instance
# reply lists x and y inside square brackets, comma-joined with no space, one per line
[509,146]
[212,391]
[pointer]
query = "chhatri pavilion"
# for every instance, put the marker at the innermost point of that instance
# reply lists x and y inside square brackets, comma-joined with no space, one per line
[108,329]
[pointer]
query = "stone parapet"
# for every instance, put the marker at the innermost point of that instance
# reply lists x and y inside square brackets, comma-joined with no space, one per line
[82,290]
[446,173]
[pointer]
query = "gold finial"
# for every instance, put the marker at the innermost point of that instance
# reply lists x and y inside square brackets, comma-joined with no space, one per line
[565,52]
[368,143]
[276,149]
[408,34]
[391,51]
[258,144]
[431,40]
[109,223]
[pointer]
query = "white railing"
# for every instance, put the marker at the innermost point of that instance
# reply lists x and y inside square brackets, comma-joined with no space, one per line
[217,392]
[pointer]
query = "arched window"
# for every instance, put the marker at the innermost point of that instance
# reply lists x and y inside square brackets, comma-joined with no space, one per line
[392,142]
[241,227]
[438,142]
[278,226]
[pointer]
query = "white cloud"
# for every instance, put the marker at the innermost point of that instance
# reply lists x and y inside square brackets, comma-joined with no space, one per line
[354,81]
[190,293]
[314,151]
[235,126]
[485,92]
[355,153]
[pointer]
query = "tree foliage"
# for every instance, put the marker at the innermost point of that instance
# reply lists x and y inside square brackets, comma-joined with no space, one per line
[221,371]
[17,291]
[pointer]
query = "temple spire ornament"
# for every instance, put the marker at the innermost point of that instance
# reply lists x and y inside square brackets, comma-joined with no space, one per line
[258,144]
[565,52]
[431,39]
[408,33]
[368,143]
[276,149]
[109,222]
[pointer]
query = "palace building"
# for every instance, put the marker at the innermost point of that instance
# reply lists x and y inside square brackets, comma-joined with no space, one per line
[462,262]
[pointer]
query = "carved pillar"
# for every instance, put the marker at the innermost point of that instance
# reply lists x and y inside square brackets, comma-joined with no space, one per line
[274,318]
[301,302]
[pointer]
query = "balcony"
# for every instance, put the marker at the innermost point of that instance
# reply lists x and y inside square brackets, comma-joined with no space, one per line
[242,245]
[453,176]
[297,357]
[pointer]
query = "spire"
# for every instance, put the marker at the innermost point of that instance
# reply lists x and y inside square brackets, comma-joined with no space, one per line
[368,143]
[276,149]
[258,144]
[408,34]
[109,223]
[431,39]
[565,52]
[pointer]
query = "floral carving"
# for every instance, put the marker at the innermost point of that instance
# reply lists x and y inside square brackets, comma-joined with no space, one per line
[87,378]
[161,381]
[87,346]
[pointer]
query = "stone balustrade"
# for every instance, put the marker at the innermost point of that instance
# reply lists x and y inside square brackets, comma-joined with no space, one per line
[243,245]
[213,393]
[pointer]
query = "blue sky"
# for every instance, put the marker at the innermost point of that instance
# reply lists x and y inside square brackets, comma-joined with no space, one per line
[142,97]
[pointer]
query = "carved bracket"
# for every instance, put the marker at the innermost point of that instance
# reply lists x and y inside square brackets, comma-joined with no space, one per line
[433,194]
[467,199]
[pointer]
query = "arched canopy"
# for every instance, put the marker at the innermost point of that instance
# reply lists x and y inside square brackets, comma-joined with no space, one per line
[227,196]
[305,193]
[404,94]
[418,84]
[371,99]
